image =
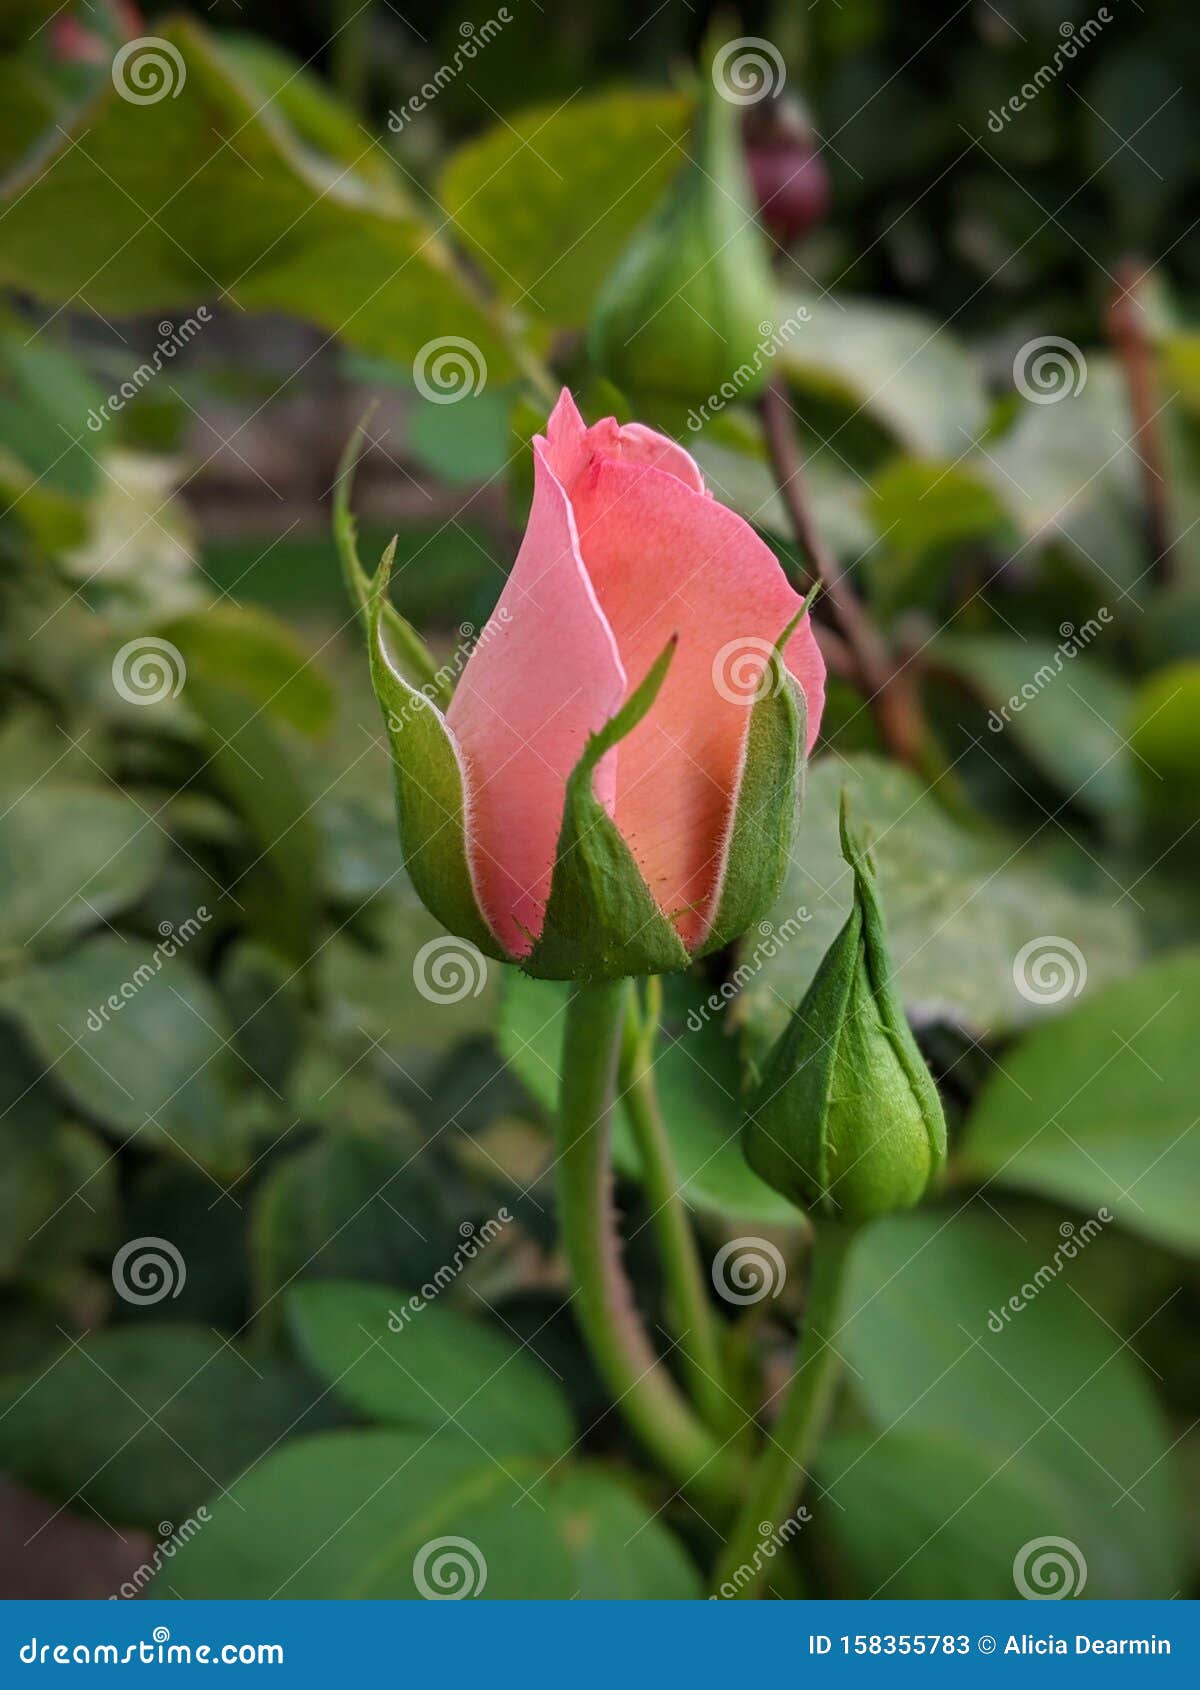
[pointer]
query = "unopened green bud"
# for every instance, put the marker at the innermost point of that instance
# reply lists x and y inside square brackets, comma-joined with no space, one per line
[846,1117]
[688,311]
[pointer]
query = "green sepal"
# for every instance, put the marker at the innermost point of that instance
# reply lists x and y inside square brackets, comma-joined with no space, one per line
[768,800]
[846,1117]
[430,789]
[602,922]
[411,656]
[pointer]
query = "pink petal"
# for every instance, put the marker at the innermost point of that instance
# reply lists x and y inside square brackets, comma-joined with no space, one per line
[665,559]
[544,674]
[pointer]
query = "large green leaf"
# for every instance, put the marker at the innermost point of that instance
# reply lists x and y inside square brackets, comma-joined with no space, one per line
[697,1075]
[427,1365]
[1068,713]
[946,1515]
[389,1515]
[1049,1388]
[905,371]
[69,859]
[1100,1109]
[960,907]
[156,1066]
[154,206]
[547,202]
[143,1424]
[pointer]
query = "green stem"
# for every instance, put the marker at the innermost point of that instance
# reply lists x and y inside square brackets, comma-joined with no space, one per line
[777,1482]
[691,1311]
[646,1394]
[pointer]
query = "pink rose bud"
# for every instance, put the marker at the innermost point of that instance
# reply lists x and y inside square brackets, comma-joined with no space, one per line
[613,786]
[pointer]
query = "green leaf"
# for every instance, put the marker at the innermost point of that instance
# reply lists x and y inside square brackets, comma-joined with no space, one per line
[960,907]
[904,370]
[71,858]
[137,1041]
[924,512]
[238,646]
[362,1514]
[268,223]
[426,1365]
[602,922]
[697,1074]
[1068,714]
[348,1208]
[1048,1389]
[141,1425]
[1099,1109]
[534,198]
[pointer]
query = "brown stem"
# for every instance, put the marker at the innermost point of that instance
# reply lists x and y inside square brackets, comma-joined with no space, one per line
[890,687]
[1131,340]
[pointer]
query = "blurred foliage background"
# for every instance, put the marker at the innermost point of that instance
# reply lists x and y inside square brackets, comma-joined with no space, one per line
[278,1099]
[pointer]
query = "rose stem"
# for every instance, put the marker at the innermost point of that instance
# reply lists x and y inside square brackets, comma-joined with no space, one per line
[777,1481]
[1133,346]
[692,1312]
[888,685]
[646,1394]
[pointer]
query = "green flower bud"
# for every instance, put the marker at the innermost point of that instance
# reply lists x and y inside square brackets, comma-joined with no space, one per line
[846,1117]
[689,307]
